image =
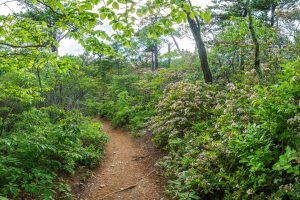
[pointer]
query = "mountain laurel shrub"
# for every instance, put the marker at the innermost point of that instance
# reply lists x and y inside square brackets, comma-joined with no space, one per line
[181,105]
[243,143]
[129,99]
[42,144]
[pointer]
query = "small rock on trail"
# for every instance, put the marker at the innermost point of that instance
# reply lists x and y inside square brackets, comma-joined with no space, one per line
[127,171]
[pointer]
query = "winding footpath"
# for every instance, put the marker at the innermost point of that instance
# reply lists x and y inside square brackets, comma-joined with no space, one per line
[127,171]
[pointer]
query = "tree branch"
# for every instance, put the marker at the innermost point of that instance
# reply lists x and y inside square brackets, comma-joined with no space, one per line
[24,46]
[8,1]
[47,6]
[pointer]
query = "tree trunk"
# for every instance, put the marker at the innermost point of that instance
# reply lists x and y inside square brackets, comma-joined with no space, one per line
[54,48]
[2,125]
[272,21]
[39,78]
[195,29]
[152,60]
[169,56]
[155,56]
[241,60]
[61,100]
[256,45]
[176,44]
[54,34]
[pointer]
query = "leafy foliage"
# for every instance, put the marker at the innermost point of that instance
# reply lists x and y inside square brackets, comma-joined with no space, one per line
[182,105]
[39,148]
[246,148]
[235,137]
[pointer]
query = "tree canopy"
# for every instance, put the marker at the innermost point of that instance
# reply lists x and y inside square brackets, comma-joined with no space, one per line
[225,112]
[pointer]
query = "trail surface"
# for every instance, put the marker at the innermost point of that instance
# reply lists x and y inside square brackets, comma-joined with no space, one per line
[127,171]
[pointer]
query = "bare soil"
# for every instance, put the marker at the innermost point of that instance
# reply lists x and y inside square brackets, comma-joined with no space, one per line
[127,172]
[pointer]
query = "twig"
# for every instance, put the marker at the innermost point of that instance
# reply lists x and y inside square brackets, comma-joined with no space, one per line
[6,2]
[140,157]
[128,187]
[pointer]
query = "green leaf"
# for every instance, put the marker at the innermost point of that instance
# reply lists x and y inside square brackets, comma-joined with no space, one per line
[192,15]
[44,23]
[60,6]
[206,16]
[286,160]
[115,5]
[187,7]
[109,2]
[102,16]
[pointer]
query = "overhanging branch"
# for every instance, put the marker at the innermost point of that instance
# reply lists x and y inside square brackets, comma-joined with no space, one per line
[24,46]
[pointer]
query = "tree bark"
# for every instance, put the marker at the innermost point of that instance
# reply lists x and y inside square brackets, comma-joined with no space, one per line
[169,56]
[241,60]
[61,100]
[155,56]
[256,45]
[195,29]
[152,60]
[39,78]
[176,44]
[2,125]
[272,21]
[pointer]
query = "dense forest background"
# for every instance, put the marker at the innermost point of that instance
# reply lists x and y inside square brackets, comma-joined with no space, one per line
[226,115]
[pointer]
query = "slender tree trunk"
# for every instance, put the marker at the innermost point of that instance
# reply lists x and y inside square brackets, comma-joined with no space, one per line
[169,56]
[155,56]
[256,45]
[52,96]
[272,21]
[242,61]
[152,59]
[2,125]
[54,48]
[176,44]
[39,78]
[154,49]
[118,66]
[195,29]
[60,94]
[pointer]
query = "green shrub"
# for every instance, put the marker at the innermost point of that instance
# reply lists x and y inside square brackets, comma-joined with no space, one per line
[125,110]
[37,150]
[131,99]
[269,148]
[182,105]
[198,162]
[248,148]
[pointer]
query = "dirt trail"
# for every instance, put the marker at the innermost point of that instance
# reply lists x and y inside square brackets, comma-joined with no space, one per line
[127,168]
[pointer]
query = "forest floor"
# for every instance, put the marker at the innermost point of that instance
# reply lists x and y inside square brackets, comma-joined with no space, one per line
[127,172]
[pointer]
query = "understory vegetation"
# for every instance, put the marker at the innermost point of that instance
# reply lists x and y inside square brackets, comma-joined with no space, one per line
[226,116]
[38,148]
[232,141]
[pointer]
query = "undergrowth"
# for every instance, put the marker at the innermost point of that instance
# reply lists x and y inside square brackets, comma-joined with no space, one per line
[41,145]
[234,141]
